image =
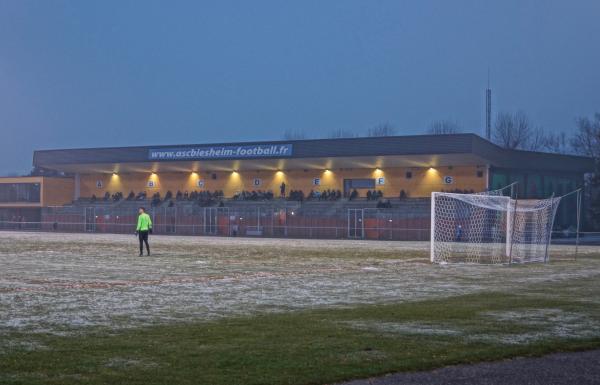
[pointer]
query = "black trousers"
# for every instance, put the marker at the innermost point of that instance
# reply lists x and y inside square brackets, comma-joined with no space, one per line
[143,236]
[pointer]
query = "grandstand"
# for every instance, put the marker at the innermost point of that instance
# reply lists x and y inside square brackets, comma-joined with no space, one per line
[365,188]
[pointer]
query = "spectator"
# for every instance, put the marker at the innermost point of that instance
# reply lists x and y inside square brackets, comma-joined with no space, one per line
[296,195]
[155,199]
[250,195]
[458,233]
[282,189]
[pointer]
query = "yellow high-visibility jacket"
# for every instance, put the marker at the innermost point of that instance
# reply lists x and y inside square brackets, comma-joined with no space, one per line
[144,222]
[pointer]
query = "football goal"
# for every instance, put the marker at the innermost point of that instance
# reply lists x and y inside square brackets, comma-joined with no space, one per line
[490,228]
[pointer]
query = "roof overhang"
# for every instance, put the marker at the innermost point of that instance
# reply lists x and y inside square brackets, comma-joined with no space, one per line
[395,151]
[387,161]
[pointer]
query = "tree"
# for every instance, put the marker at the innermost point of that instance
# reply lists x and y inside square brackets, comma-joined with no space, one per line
[586,140]
[592,195]
[341,133]
[536,141]
[556,143]
[512,130]
[294,135]
[440,127]
[384,129]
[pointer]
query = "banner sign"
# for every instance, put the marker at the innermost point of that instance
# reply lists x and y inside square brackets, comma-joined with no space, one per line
[221,152]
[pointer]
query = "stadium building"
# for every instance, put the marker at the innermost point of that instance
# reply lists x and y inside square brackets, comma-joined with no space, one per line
[342,172]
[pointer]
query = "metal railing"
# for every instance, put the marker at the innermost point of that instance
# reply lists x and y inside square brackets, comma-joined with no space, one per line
[410,222]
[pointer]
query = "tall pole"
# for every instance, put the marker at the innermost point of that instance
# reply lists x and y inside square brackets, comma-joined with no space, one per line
[551,225]
[488,110]
[578,223]
[512,232]
[432,236]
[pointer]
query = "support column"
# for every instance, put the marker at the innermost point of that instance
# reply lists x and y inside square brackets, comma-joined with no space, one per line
[77,189]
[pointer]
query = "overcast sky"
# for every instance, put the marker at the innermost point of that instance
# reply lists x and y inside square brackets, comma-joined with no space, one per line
[102,73]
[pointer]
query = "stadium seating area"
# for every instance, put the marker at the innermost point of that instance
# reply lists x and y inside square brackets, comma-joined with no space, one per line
[203,198]
[318,214]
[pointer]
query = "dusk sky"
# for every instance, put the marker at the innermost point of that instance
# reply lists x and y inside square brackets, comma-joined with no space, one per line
[103,73]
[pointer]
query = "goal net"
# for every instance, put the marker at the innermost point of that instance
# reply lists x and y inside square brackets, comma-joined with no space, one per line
[490,228]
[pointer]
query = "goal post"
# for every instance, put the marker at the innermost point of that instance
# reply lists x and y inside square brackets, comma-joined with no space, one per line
[431,244]
[490,228]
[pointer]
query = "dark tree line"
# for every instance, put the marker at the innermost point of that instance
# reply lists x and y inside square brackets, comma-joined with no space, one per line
[586,141]
[511,130]
[515,131]
[442,127]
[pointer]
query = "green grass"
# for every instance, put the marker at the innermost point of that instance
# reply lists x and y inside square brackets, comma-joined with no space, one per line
[304,347]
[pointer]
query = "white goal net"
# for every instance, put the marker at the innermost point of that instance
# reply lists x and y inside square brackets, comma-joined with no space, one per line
[490,228]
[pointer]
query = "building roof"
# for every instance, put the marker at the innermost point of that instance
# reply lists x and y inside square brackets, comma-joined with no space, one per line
[394,151]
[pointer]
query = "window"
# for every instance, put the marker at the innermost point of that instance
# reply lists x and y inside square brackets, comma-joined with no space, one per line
[20,192]
[499,180]
[479,174]
[214,176]
[359,183]
[408,174]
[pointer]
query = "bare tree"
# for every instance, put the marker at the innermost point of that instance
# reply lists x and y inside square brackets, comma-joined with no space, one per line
[294,135]
[536,141]
[384,129]
[586,140]
[556,143]
[440,127]
[341,133]
[512,130]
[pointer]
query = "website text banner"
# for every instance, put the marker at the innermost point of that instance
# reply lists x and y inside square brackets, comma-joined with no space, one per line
[221,152]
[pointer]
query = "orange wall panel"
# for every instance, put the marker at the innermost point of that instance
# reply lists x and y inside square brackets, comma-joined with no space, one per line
[421,184]
[57,191]
[54,191]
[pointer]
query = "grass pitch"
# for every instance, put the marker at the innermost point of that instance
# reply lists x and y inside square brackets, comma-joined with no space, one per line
[83,308]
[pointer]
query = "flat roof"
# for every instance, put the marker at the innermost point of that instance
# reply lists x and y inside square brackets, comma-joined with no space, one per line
[392,151]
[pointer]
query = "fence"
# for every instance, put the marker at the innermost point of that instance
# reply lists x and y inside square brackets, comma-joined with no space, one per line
[256,221]
[396,224]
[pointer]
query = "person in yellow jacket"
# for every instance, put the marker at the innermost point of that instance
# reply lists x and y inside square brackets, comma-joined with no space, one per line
[144,227]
